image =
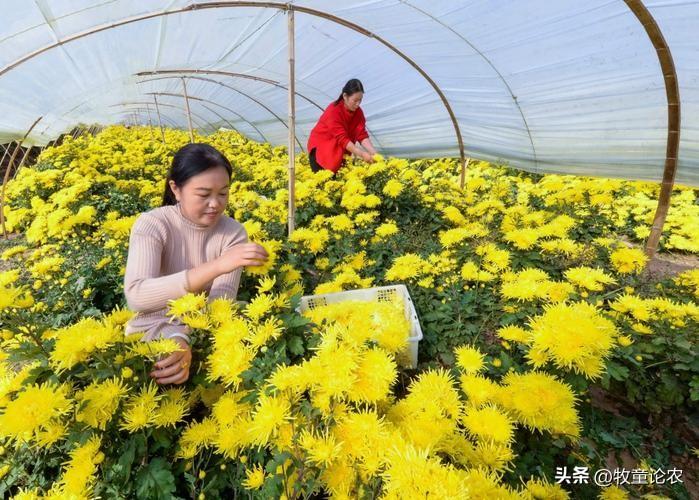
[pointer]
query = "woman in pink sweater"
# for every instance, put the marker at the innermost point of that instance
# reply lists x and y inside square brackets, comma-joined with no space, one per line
[186,245]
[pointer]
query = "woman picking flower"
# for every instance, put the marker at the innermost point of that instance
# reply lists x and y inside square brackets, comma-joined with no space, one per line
[341,126]
[186,245]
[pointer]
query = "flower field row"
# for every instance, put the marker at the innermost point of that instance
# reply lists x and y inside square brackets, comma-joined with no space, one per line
[530,290]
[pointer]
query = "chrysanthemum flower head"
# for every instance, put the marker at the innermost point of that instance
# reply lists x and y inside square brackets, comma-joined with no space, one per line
[33,409]
[628,260]
[254,477]
[272,248]
[539,401]
[575,336]
[469,359]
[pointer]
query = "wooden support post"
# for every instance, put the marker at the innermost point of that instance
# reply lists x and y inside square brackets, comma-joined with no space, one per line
[160,121]
[672,144]
[464,166]
[189,113]
[292,124]
[150,122]
[24,158]
[7,176]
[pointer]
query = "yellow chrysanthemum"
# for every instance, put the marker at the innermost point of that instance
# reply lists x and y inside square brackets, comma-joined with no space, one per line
[99,401]
[172,409]
[79,474]
[75,343]
[628,260]
[254,478]
[141,409]
[321,450]
[34,409]
[574,336]
[272,248]
[270,413]
[478,389]
[187,305]
[375,374]
[589,278]
[488,424]
[539,401]
[469,359]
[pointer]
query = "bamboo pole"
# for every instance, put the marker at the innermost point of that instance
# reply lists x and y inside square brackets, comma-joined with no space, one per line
[464,166]
[160,122]
[292,123]
[672,94]
[150,123]
[189,114]
[7,176]
[24,158]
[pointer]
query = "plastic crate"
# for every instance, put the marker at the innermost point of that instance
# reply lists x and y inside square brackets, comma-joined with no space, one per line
[379,294]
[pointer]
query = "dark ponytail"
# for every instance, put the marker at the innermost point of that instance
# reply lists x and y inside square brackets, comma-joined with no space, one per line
[191,160]
[351,87]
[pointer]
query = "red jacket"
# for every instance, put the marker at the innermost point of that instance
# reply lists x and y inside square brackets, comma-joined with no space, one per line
[334,130]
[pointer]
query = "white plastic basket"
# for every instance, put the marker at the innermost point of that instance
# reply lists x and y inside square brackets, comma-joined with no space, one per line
[379,294]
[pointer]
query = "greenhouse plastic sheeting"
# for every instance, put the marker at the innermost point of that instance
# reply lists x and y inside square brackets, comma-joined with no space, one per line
[565,86]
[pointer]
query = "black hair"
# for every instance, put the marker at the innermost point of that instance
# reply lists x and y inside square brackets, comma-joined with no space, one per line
[351,87]
[191,160]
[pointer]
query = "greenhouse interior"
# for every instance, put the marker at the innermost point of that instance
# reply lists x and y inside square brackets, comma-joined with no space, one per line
[378,249]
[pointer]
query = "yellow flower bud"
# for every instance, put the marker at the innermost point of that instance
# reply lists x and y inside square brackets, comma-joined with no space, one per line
[625,341]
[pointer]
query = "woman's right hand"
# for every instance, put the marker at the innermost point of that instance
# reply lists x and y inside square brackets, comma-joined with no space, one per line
[242,255]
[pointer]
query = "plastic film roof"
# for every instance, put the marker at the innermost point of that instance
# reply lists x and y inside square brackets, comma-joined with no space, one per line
[566,86]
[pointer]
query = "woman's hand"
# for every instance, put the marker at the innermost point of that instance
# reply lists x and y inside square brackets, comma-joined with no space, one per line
[245,254]
[174,369]
[369,158]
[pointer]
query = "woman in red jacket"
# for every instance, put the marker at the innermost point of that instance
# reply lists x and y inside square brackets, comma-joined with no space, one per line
[339,129]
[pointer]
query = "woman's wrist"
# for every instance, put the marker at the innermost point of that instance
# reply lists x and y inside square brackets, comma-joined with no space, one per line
[181,338]
[217,265]
[222,267]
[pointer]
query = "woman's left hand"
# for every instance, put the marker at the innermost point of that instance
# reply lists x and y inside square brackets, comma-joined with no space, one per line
[175,368]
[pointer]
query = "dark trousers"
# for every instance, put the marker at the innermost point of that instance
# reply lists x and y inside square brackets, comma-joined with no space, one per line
[312,160]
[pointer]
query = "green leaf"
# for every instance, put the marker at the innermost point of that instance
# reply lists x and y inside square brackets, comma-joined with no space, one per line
[296,346]
[684,344]
[155,480]
[295,321]
[617,372]
[127,459]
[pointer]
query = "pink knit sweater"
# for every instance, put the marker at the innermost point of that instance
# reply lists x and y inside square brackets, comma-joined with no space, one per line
[164,244]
